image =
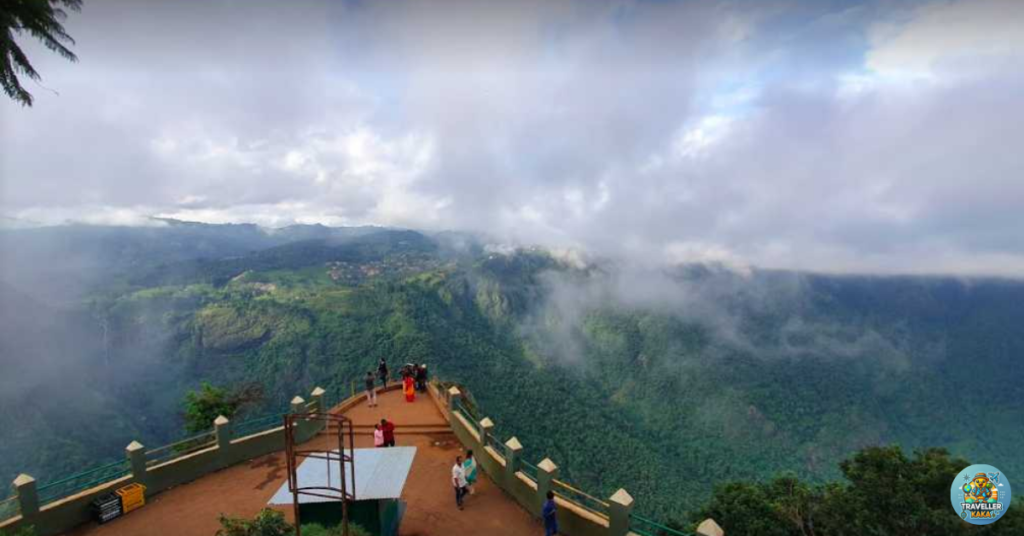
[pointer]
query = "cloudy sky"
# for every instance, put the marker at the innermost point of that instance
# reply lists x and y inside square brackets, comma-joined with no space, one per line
[822,135]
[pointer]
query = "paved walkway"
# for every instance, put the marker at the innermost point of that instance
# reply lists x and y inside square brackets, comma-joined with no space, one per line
[242,490]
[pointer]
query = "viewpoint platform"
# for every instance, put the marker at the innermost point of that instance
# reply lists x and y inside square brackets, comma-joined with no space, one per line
[193,509]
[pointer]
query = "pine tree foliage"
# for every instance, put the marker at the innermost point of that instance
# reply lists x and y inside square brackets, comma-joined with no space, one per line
[42,19]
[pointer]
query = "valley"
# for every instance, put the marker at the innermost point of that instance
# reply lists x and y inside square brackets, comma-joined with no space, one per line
[665,381]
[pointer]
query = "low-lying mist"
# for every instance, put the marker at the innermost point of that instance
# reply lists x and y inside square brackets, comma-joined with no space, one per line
[763,314]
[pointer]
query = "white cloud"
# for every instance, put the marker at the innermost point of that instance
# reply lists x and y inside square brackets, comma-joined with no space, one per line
[947,39]
[704,253]
[777,134]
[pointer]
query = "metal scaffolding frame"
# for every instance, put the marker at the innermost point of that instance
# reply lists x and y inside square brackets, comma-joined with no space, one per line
[334,427]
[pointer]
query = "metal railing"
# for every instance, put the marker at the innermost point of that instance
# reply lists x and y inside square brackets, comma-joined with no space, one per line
[87,479]
[257,425]
[181,448]
[495,444]
[529,469]
[332,398]
[66,487]
[579,497]
[648,527]
[470,411]
[73,484]
[9,508]
[459,407]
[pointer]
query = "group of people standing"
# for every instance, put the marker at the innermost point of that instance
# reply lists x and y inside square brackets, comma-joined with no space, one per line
[414,378]
[384,434]
[464,472]
[464,477]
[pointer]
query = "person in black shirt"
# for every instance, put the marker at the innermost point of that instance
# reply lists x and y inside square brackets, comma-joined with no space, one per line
[421,378]
[371,389]
[382,372]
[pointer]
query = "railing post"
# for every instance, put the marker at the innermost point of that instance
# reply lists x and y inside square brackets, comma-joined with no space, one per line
[513,449]
[304,428]
[298,405]
[222,433]
[486,429]
[28,498]
[546,472]
[222,429]
[453,394]
[709,528]
[136,454]
[318,396]
[620,506]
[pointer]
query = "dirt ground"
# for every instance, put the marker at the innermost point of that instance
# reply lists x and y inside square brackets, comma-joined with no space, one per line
[242,490]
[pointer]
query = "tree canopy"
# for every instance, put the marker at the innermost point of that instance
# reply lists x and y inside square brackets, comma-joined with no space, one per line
[884,492]
[42,19]
[209,402]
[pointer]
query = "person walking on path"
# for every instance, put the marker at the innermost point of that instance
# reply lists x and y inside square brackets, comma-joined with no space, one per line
[470,467]
[382,372]
[371,389]
[459,481]
[378,436]
[550,514]
[421,378]
[388,428]
[408,387]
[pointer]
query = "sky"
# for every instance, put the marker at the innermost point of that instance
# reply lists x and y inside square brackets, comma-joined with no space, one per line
[830,136]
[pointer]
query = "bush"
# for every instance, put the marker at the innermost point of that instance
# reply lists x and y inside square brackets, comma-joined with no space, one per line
[320,530]
[266,523]
[206,404]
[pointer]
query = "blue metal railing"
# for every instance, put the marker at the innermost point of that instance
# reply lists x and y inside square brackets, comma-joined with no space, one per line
[579,497]
[648,527]
[529,469]
[258,424]
[495,444]
[9,508]
[181,448]
[471,411]
[65,487]
[459,407]
[332,398]
[105,473]
[73,484]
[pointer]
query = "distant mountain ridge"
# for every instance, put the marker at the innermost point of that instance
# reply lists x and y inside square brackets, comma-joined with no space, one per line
[663,381]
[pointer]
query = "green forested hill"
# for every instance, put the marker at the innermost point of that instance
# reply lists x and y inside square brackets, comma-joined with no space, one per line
[663,382]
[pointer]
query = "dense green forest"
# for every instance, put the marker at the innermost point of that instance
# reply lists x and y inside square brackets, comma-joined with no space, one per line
[663,381]
[883,491]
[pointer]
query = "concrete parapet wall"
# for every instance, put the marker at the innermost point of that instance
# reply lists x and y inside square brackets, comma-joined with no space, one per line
[62,515]
[573,520]
[503,470]
[67,513]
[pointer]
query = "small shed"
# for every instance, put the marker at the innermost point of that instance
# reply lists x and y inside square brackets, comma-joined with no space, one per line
[380,475]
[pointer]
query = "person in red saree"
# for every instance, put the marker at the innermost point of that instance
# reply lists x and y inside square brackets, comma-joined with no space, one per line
[409,387]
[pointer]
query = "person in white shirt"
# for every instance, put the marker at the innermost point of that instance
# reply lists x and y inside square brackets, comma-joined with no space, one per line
[459,481]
